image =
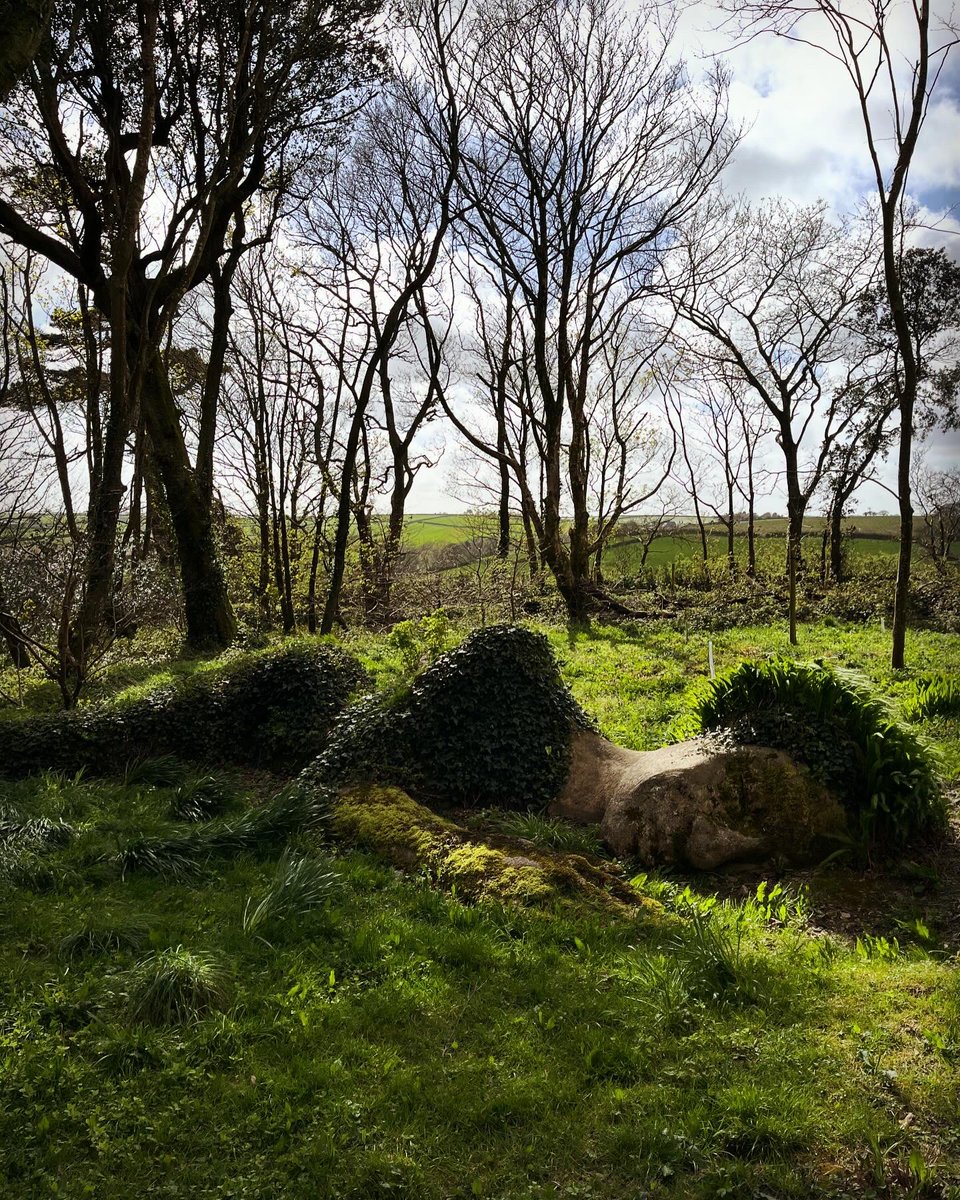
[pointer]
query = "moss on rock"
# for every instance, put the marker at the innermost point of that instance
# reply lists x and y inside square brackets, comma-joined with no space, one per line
[387,821]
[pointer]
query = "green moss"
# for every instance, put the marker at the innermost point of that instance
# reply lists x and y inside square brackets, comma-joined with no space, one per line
[388,822]
[806,815]
[485,874]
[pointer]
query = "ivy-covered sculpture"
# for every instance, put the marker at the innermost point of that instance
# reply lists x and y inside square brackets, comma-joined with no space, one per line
[493,724]
[269,708]
[489,723]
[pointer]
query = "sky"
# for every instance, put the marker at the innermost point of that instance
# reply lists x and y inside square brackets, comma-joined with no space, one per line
[804,140]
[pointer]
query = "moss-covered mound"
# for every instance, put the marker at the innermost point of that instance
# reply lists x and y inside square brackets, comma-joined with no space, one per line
[830,720]
[488,723]
[388,822]
[271,709]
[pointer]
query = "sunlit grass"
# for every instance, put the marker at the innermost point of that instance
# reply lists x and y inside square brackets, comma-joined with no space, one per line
[380,1038]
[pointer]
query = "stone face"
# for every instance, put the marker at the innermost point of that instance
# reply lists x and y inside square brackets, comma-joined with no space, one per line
[695,805]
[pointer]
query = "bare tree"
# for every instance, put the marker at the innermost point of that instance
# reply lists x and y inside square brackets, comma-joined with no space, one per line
[893,55]
[155,125]
[719,428]
[939,496]
[770,295]
[378,224]
[272,426]
[583,145]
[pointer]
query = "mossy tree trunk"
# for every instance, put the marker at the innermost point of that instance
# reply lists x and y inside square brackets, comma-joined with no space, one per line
[23,26]
[210,620]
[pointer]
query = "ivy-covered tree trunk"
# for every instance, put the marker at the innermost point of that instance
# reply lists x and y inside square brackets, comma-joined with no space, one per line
[210,620]
[23,25]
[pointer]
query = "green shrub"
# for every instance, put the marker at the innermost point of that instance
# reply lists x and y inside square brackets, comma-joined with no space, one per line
[173,987]
[487,723]
[270,709]
[830,720]
[934,696]
[421,642]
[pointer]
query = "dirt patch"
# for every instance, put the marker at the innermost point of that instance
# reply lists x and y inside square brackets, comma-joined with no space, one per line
[884,899]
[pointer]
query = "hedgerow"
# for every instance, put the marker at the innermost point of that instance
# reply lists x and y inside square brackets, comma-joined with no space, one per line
[270,709]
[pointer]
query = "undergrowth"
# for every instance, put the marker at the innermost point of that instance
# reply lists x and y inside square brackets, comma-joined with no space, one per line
[372,1036]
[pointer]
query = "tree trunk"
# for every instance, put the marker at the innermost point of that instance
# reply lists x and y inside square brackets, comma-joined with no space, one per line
[836,540]
[795,513]
[12,634]
[792,588]
[210,621]
[901,597]
[103,519]
[503,539]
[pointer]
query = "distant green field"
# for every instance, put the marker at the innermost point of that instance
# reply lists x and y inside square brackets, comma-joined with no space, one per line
[623,557]
[422,527]
[439,529]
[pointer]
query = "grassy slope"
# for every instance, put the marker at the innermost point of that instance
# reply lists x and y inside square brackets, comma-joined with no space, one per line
[399,1043]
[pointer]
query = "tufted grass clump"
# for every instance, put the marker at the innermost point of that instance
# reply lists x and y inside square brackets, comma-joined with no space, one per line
[154,770]
[201,799]
[883,771]
[176,987]
[552,833]
[174,857]
[180,856]
[299,885]
[96,935]
[17,831]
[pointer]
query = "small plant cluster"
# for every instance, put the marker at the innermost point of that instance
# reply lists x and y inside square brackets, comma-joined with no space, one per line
[551,833]
[179,856]
[934,696]
[487,723]
[420,642]
[881,769]
[267,709]
[174,987]
[299,886]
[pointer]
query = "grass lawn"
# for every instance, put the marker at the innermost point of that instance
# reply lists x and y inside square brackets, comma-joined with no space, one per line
[389,1040]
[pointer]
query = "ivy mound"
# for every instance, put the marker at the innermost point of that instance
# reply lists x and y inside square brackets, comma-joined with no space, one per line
[270,709]
[490,723]
[849,738]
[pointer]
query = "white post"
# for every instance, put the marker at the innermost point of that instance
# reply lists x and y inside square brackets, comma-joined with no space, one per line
[713,673]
